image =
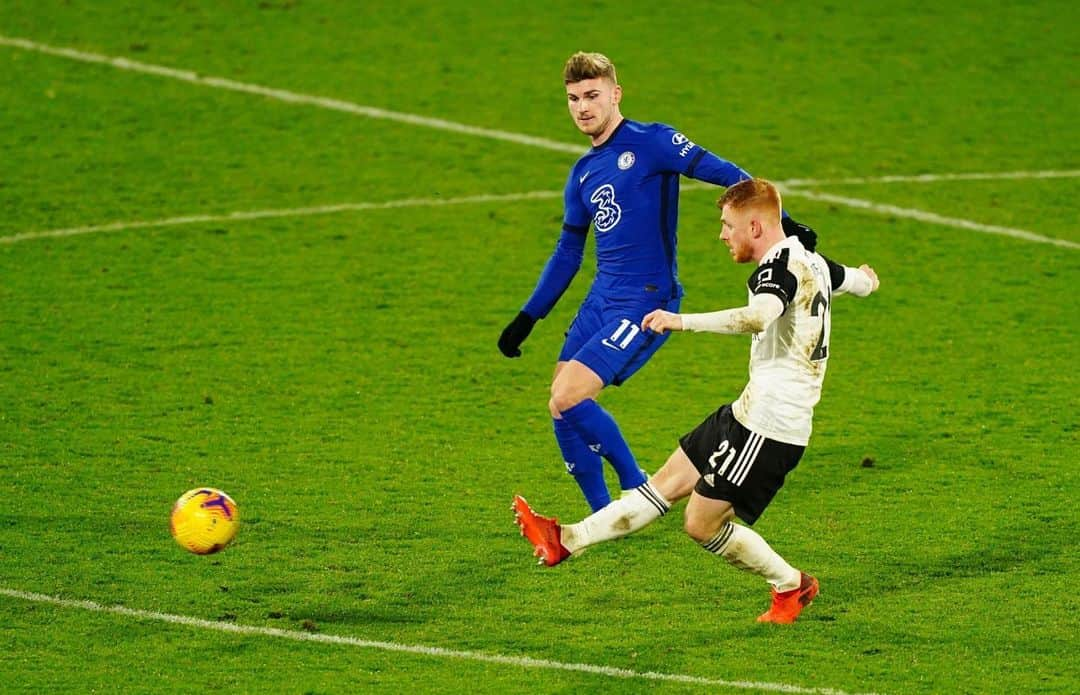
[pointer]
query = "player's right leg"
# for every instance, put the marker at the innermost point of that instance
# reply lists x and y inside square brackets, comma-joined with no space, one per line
[633,511]
[637,508]
[582,461]
[605,345]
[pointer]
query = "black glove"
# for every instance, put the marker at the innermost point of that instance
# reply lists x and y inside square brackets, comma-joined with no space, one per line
[515,334]
[806,235]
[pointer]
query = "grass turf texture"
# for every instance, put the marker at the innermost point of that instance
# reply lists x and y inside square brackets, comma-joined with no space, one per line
[337,374]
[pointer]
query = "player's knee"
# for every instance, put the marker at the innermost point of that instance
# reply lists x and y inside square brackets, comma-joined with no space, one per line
[700,527]
[562,400]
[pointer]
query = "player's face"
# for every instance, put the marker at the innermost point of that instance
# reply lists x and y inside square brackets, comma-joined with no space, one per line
[737,233]
[594,105]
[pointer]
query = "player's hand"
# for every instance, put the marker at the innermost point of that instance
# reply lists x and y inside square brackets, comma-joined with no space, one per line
[807,236]
[660,321]
[872,275]
[515,334]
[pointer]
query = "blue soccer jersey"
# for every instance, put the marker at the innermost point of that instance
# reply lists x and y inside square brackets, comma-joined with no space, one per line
[628,189]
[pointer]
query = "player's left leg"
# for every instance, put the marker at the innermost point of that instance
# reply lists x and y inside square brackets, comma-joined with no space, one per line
[741,472]
[709,522]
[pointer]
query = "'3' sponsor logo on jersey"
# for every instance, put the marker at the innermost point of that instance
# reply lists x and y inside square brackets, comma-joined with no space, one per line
[608,212]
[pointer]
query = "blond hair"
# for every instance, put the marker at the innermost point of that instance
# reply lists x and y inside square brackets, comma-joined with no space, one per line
[586,66]
[758,194]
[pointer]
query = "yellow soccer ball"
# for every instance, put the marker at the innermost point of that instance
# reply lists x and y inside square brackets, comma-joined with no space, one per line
[204,520]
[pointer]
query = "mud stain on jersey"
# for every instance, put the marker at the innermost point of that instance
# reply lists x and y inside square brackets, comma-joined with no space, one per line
[745,325]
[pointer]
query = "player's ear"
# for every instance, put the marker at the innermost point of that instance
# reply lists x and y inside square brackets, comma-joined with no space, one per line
[616,95]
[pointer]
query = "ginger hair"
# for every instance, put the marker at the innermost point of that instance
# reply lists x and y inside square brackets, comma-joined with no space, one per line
[758,194]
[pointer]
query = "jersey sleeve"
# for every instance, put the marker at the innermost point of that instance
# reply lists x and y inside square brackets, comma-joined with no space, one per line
[576,217]
[557,274]
[755,317]
[776,279]
[678,153]
[566,259]
[847,280]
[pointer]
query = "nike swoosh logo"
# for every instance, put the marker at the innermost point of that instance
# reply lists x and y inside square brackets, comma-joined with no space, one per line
[582,179]
[610,345]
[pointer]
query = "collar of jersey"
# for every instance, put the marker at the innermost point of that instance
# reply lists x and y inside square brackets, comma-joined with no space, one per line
[611,137]
[775,247]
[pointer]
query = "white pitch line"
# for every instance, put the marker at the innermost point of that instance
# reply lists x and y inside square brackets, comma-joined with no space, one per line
[931,178]
[442,124]
[281,212]
[930,217]
[437,652]
[511,197]
[287,96]
[438,123]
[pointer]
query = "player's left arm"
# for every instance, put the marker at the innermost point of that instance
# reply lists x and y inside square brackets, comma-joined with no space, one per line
[678,153]
[773,287]
[859,281]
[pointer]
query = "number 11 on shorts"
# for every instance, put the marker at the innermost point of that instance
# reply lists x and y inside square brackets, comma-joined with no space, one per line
[627,327]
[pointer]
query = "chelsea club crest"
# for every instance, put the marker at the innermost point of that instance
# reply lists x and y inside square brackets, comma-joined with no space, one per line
[626,160]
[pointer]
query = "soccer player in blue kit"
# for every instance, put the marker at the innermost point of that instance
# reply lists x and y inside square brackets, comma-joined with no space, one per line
[627,187]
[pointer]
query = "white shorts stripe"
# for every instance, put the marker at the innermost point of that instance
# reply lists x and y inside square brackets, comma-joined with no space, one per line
[750,460]
[746,460]
[744,456]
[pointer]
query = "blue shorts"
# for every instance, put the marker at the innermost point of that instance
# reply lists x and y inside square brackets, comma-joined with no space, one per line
[606,336]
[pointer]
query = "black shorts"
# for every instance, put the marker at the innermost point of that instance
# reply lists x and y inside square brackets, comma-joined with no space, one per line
[737,465]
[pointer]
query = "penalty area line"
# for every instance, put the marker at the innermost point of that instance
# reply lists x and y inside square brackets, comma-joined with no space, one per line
[243,215]
[421,650]
[933,178]
[928,217]
[340,105]
[287,96]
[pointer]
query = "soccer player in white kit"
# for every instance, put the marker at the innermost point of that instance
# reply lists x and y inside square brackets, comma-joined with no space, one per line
[734,462]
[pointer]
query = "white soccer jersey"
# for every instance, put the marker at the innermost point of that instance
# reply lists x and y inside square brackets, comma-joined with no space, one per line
[787,359]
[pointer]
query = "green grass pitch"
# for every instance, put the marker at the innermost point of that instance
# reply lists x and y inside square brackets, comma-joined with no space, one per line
[336,372]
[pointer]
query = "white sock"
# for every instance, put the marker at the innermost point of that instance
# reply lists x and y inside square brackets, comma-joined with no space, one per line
[745,549]
[634,510]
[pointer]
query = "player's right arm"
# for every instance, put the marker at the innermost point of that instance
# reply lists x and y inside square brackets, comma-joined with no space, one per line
[772,287]
[755,317]
[556,276]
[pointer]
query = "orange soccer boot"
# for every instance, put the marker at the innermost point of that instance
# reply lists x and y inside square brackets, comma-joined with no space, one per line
[543,532]
[787,605]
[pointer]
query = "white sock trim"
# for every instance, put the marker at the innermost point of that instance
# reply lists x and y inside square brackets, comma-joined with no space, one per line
[620,518]
[654,497]
[718,543]
[744,548]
